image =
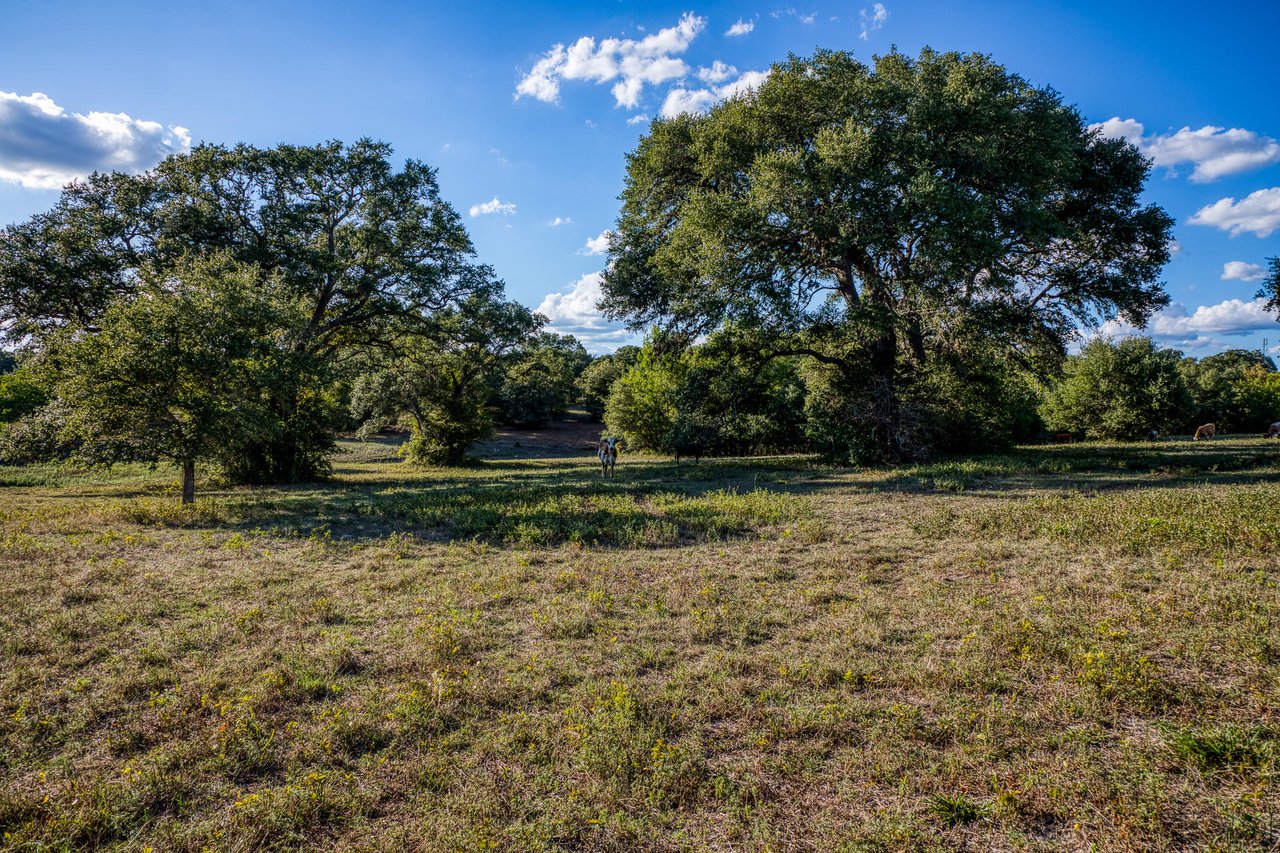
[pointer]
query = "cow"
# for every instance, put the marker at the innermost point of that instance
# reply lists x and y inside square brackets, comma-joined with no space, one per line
[1273,431]
[1062,438]
[1153,436]
[608,455]
[1206,432]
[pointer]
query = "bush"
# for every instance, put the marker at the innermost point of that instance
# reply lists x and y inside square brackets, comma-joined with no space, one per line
[1120,391]
[1218,385]
[19,396]
[716,399]
[596,381]
[540,383]
[965,405]
[1257,398]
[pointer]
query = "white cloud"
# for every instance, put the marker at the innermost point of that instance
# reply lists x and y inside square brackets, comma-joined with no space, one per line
[543,80]
[873,20]
[1214,151]
[42,146]
[1258,212]
[748,81]
[1174,326]
[597,245]
[681,100]
[560,220]
[631,62]
[640,119]
[809,18]
[1241,271]
[576,313]
[505,208]
[717,73]
[741,28]
[1128,129]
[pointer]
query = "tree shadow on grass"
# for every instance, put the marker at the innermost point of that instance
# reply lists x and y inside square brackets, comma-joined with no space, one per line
[1094,467]
[505,505]
[652,502]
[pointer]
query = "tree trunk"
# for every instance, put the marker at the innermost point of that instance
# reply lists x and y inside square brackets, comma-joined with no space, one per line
[884,362]
[188,481]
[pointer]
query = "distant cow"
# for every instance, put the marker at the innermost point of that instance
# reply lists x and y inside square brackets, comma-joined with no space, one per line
[1206,432]
[1062,438]
[1153,436]
[1273,431]
[608,454]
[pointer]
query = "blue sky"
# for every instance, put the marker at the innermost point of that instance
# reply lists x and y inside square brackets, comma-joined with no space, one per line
[530,139]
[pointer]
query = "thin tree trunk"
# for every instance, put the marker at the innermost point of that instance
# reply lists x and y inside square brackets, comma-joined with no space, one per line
[188,481]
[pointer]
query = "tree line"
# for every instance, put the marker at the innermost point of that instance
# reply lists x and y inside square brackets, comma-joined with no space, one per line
[871,261]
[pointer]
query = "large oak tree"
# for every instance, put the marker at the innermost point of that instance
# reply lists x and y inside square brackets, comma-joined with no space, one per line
[366,251]
[887,220]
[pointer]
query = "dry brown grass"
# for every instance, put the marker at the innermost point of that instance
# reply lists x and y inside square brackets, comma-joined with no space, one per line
[1060,649]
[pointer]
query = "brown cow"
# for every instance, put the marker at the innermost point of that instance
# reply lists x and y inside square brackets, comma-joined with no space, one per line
[1206,432]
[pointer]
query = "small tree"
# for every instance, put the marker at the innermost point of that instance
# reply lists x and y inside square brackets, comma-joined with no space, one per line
[1257,395]
[714,399]
[642,405]
[443,384]
[540,381]
[596,380]
[1215,382]
[176,372]
[1120,391]
[19,396]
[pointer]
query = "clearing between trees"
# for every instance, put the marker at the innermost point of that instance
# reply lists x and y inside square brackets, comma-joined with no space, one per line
[1049,649]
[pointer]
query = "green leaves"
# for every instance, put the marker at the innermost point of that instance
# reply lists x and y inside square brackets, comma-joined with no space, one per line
[177,372]
[1120,391]
[357,252]
[907,208]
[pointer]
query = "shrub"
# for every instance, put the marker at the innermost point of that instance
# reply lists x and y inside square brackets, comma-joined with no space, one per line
[1120,391]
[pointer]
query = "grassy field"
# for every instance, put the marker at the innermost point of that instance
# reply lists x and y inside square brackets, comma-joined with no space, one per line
[1062,648]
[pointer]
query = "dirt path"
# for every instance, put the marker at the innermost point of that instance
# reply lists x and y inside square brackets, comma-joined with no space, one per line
[559,438]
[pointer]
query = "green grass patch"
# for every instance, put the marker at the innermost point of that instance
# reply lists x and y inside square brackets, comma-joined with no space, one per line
[1206,518]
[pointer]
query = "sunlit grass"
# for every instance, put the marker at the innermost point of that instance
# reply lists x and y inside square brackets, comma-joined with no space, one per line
[1058,648]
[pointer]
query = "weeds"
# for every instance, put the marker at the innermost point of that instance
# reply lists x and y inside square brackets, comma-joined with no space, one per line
[1056,648]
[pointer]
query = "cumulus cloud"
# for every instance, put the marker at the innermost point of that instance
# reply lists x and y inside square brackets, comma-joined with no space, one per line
[560,220]
[1241,271]
[717,73]
[503,208]
[1175,326]
[681,100]
[872,19]
[1258,212]
[577,313]
[597,245]
[42,146]
[633,63]
[741,28]
[1213,151]
[639,119]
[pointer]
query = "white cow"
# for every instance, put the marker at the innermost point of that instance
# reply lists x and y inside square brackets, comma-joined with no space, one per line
[1273,431]
[608,454]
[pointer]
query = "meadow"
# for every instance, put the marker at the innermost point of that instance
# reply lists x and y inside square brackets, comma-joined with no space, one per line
[1059,648]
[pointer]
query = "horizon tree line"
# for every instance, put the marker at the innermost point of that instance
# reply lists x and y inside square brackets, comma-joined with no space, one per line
[876,262]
